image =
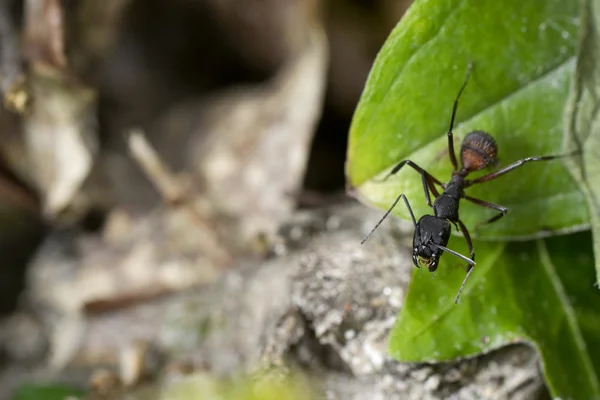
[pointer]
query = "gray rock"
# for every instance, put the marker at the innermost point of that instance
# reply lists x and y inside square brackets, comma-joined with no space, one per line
[327,306]
[322,306]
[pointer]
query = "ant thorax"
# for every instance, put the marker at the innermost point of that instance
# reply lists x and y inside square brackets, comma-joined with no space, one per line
[446,205]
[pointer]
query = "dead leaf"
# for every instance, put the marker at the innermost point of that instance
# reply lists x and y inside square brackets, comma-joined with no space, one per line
[249,146]
[44,33]
[59,136]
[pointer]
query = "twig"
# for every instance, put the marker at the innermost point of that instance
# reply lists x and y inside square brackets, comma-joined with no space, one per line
[169,187]
[173,191]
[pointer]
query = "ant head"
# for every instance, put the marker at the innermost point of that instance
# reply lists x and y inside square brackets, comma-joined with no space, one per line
[431,233]
[478,151]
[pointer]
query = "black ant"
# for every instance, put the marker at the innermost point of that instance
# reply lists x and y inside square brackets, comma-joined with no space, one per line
[477,151]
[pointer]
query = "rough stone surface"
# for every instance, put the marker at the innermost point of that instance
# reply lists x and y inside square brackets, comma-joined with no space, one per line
[328,305]
[322,304]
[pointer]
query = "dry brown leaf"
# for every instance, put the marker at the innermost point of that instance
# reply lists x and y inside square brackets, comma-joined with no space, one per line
[60,137]
[140,260]
[250,145]
[250,151]
[44,33]
[158,255]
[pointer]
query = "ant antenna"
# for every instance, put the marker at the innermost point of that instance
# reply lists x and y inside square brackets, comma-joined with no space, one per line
[412,216]
[463,284]
[469,70]
[454,108]
[464,258]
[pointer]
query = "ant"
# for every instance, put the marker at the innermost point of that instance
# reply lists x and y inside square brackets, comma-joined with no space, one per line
[432,232]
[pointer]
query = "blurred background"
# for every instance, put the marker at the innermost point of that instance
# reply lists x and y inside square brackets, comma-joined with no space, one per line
[147,146]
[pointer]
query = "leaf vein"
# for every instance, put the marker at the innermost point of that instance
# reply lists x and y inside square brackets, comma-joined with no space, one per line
[557,285]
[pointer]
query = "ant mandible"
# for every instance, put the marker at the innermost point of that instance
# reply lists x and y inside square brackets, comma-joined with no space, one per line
[432,233]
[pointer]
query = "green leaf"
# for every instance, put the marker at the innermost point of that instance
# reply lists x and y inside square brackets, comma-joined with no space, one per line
[260,386]
[32,391]
[582,120]
[523,56]
[541,292]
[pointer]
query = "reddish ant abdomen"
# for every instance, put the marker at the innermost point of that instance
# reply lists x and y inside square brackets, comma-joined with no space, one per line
[478,151]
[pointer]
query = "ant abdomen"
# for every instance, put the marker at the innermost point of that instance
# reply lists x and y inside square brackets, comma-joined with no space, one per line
[477,151]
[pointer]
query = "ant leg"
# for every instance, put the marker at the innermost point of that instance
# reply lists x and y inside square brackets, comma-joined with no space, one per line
[467,236]
[426,189]
[513,166]
[426,178]
[502,211]
[429,184]
[450,134]
[412,215]
[433,189]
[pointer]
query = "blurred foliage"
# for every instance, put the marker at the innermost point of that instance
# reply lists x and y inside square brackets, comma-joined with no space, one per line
[198,386]
[45,392]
